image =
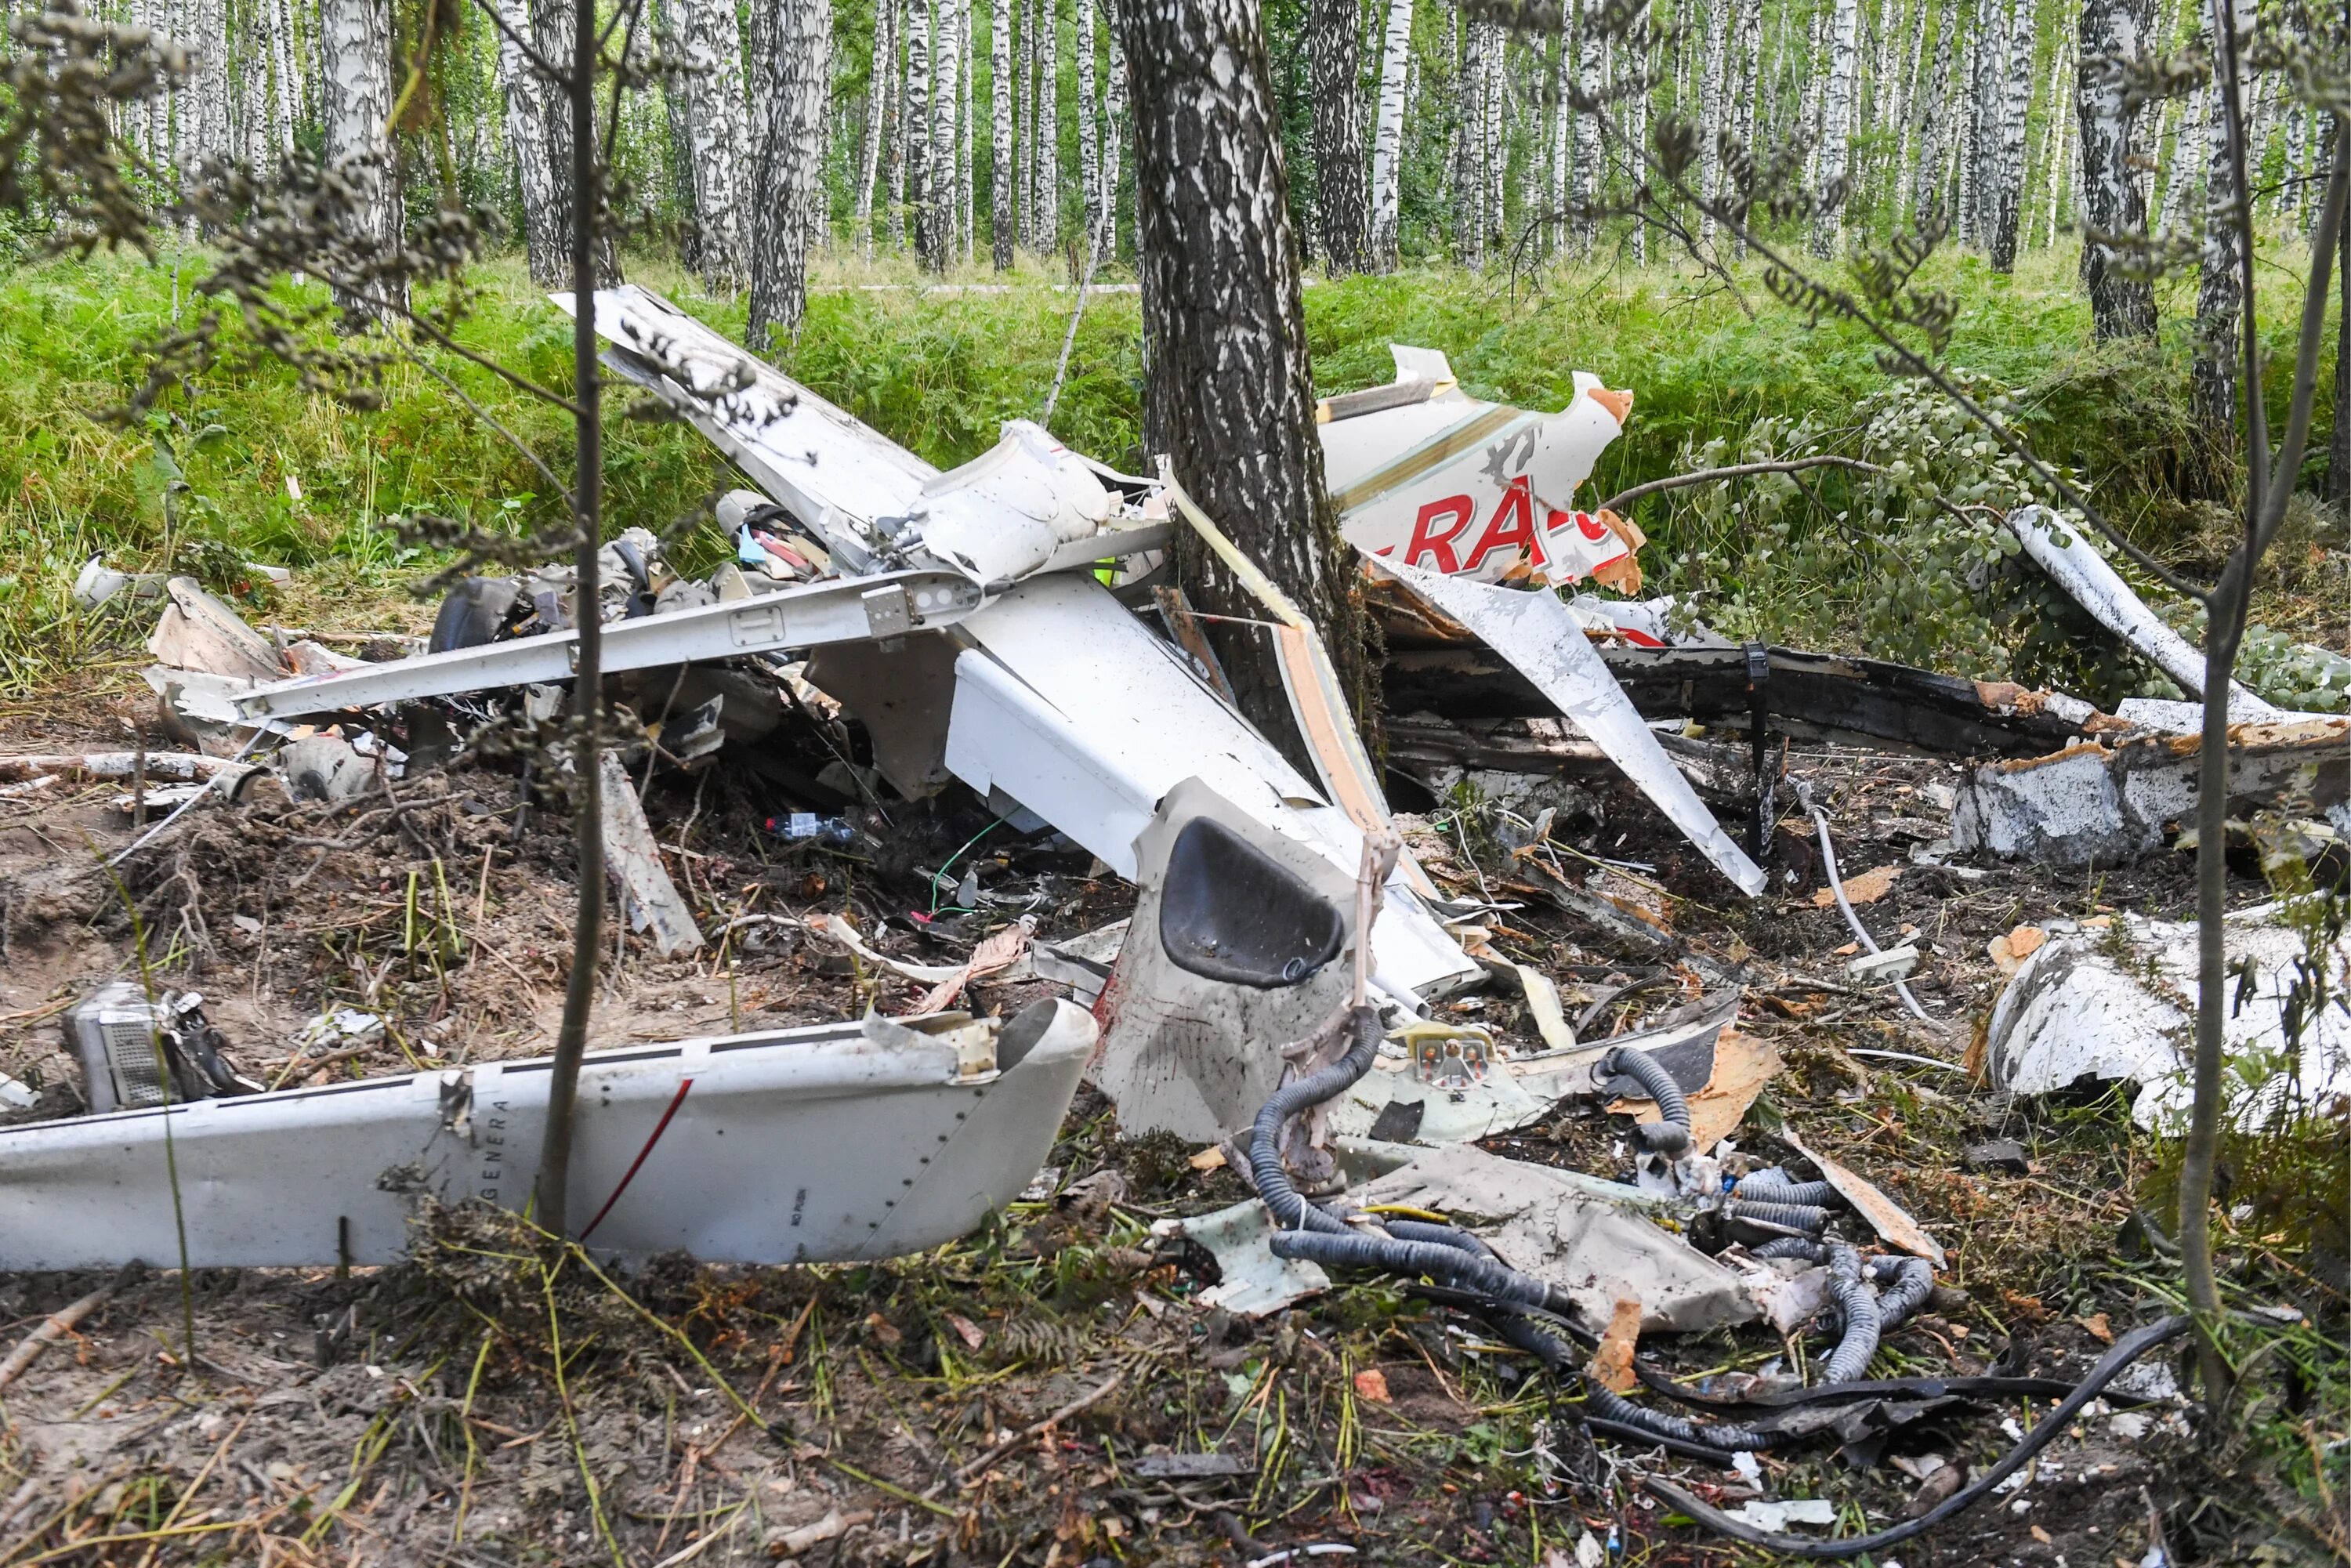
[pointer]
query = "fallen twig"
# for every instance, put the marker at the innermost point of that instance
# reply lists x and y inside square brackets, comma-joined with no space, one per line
[988,1460]
[790,1543]
[58,1324]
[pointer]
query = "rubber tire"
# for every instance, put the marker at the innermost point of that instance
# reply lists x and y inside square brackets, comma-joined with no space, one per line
[473,614]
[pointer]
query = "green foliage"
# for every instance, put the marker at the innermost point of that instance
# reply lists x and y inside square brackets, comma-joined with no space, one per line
[244,461]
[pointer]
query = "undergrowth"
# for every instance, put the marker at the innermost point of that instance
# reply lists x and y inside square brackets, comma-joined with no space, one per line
[245,466]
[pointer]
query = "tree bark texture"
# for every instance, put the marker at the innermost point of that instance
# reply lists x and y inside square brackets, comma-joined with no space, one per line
[355,42]
[1388,137]
[1003,187]
[1837,105]
[1335,44]
[791,46]
[880,96]
[921,152]
[935,233]
[2016,101]
[1048,126]
[1114,132]
[1230,396]
[1089,137]
[2338,439]
[716,134]
[2111,203]
[2220,282]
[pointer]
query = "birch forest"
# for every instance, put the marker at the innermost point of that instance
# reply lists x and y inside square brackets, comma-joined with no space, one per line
[971,134]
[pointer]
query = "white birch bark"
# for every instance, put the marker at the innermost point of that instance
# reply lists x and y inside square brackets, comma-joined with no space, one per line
[1003,185]
[1709,109]
[1902,115]
[1836,126]
[879,78]
[901,69]
[1089,148]
[1026,154]
[1049,127]
[919,122]
[716,132]
[791,52]
[1932,115]
[1387,135]
[2110,199]
[284,91]
[355,42]
[2016,101]
[935,233]
[967,10]
[2213,379]
[1587,178]
[1114,135]
[526,100]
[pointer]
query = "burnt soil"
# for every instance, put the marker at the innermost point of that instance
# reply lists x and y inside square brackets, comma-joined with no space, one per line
[495,1400]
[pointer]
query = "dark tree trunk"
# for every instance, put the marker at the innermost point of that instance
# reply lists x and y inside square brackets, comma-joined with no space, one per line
[2111,31]
[2220,300]
[1230,396]
[1334,35]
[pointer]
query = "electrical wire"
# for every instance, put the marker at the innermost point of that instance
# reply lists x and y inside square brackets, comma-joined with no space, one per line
[1861,933]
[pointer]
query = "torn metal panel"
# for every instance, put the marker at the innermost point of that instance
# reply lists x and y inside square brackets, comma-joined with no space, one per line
[836,474]
[903,691]
[1026,504]
[649,898]
[1585,1237]
[1536,634]
[837,610]
[2112,804]
[1808,697]
[830,1144]
[1251,1280]
[2116,1004]
[2074,564]
[1069,704]
[1193,1056]
[198,631]
[1428,476]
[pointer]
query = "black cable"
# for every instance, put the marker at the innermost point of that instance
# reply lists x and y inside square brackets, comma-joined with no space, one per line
[1671,1135]
[2126,1350]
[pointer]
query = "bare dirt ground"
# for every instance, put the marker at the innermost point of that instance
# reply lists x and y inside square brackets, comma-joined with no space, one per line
[493,1401]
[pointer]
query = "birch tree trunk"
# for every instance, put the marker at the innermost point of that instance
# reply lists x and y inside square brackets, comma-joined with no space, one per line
[1115,134]
[1003,187]
[285,92]
[2220,284]
[2016,101]
[1388,137]
[921,152]
[1586,192]
[715,132]
[934,214]
[1709,111]
[791,44]
[1089,144]
[967,12]
[1334,41]
[552,32]
[1231,398]
[1049,127]
[527,97]
[678,117]
[1027,154]
[355,42]
[1836,126]
[880,94]
[900,120]
[2111,203]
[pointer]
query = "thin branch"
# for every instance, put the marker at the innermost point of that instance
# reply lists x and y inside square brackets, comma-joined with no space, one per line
[2241,202]
[520,383]
[536,61]
[487,417]
[2267,520]
[1918,365]
[1624,498]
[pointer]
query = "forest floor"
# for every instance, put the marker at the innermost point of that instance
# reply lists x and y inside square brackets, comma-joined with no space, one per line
[415,1413]
[494,1401]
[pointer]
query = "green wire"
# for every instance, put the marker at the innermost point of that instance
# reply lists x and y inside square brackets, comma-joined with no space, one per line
[939,876]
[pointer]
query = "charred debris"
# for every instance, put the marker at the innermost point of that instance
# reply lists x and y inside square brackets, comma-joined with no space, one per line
[1491,1021]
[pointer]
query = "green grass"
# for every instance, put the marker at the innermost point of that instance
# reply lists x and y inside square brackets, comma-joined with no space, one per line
[224,461]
